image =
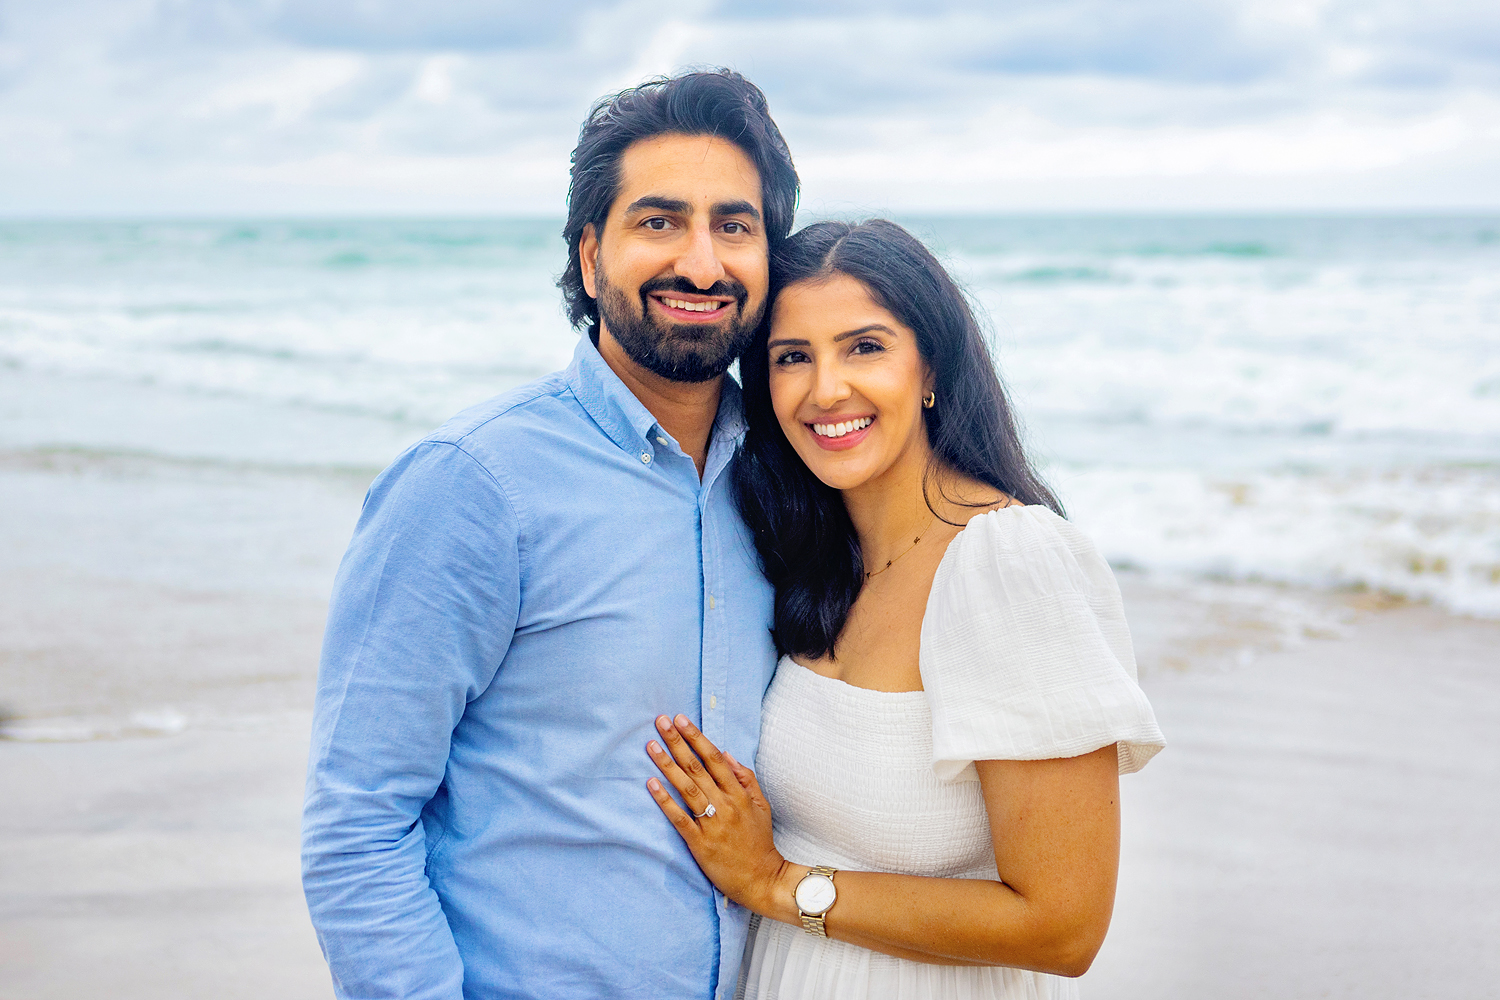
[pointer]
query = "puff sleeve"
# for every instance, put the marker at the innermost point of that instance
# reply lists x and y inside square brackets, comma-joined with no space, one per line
[1025,653]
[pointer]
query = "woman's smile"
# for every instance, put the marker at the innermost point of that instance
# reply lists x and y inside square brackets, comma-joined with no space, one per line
[846,380]
[841,434]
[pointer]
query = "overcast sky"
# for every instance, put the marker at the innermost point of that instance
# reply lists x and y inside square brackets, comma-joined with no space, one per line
[471,106]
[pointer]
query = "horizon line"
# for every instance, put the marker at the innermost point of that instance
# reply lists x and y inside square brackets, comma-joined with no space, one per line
[803,215]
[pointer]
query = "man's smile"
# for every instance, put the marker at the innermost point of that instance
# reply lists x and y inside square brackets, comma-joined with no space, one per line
[684,308]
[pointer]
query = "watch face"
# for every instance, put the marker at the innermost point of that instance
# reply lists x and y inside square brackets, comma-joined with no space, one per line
[815,894]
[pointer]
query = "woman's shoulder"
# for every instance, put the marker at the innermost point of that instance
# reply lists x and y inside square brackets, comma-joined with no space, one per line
[1010,544]
[1033,576]
[1009,516]
[1026,652]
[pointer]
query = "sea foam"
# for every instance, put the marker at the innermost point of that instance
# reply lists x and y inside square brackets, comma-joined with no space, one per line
[1312,401]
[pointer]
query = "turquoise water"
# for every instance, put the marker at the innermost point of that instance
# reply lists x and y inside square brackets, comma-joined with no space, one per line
[1304,400]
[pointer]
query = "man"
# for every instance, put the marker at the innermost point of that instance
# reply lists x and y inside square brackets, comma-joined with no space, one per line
[533,584]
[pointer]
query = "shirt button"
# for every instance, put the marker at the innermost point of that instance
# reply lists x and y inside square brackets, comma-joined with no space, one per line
[662,440]
[646,457]
[713,701]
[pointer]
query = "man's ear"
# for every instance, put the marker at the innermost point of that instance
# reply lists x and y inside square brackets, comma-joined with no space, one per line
[588,252]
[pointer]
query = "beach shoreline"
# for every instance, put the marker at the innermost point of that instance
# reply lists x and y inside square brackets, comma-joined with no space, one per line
[1317,826]
[1322,822]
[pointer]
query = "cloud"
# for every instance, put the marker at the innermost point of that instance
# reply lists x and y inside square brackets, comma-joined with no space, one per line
[466,105]
[1431,44]
[375,25]
[1203,43]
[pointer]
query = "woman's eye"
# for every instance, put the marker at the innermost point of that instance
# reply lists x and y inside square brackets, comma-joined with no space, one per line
[790,357]
[868,347]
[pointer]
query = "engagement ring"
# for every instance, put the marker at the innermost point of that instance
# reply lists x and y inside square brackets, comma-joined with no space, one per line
[706,813]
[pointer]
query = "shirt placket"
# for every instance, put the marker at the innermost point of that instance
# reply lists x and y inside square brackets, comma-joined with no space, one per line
[714,709]
[714,674]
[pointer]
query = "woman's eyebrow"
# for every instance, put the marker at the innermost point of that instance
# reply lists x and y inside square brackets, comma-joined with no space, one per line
[791,342]
[864,329]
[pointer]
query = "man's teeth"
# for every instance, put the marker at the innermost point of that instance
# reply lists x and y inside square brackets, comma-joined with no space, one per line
[697,307]
[840,429]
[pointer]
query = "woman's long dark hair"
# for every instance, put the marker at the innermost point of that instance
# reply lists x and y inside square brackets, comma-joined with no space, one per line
[807,543]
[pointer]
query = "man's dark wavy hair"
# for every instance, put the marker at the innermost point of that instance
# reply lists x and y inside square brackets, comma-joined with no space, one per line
[807,543]
[719,103]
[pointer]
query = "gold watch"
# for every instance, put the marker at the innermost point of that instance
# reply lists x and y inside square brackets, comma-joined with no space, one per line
[815,896]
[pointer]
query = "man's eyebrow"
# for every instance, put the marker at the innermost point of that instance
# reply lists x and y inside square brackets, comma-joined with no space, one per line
[792,342]
[676,206]
[660,204]
[737,208]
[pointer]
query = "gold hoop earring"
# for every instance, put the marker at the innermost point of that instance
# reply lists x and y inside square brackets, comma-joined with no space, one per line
[929,400]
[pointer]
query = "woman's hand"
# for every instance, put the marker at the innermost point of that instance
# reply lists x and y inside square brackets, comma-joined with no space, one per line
[733,846]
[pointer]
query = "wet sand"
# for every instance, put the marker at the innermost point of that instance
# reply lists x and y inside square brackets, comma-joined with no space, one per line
[1323,823]
[148,868]
[159,628]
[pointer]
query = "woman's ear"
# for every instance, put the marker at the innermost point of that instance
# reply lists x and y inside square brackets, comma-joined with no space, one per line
[588,255]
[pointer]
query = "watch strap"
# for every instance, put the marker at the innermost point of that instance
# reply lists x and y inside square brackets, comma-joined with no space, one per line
[814,924]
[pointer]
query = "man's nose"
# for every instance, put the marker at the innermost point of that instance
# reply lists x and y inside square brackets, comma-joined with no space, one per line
[700,262]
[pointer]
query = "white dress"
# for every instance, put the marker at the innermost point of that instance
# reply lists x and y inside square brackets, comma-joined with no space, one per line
[1025,655]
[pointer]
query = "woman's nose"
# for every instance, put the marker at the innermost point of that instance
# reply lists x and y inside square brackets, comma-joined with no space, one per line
[829,387]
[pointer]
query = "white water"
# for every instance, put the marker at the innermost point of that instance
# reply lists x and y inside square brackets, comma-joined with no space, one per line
[1300,400]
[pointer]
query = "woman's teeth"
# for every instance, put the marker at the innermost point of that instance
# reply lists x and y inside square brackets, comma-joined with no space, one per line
[697,307]
[840,429]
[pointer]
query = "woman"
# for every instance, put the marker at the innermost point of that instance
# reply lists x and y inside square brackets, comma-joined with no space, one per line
[944,734]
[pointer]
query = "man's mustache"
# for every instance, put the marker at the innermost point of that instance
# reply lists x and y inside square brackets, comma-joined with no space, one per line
[727,289]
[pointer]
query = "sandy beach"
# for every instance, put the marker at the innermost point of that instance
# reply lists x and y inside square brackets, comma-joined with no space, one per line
[190,412]
[1322,825]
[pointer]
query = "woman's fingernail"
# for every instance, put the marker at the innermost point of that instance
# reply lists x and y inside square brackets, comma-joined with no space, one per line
[663,723]
[654,785]
[730,757]
[654,747]
[683,722]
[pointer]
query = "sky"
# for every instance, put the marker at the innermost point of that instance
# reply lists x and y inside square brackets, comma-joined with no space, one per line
[444,107]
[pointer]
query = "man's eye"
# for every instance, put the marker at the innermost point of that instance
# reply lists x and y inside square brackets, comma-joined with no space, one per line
[657,223]
[735,228]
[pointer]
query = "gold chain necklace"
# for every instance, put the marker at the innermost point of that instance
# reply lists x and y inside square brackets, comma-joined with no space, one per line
[914,541]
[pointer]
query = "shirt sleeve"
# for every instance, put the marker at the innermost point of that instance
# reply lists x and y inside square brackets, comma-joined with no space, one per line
[1025,652]
[422,613]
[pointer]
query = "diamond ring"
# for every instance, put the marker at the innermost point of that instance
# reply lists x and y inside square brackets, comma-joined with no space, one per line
[706,813]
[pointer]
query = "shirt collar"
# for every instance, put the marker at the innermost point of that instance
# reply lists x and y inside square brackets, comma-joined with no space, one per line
[730,422]
[625,419]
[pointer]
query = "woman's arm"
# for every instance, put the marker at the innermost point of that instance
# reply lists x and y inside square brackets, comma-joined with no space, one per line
[1056,828]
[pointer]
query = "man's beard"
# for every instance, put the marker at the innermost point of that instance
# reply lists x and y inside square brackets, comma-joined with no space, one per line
[681,352]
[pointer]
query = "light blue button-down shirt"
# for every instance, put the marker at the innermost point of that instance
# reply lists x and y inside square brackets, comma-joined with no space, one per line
[527,589]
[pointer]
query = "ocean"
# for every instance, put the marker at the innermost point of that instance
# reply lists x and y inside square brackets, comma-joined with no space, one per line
[1276,428]
[1283,402]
